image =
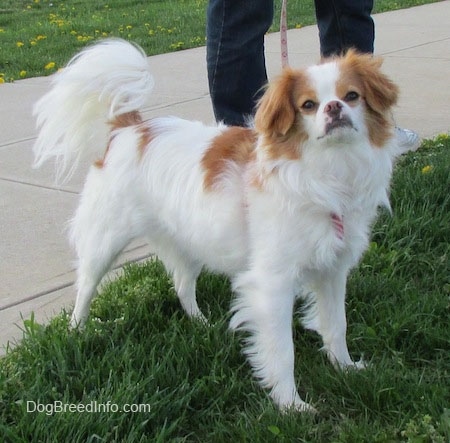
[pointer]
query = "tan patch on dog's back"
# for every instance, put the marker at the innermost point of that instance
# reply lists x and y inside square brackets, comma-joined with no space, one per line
[146,136]
[234,144]
[126,120]
[134,118]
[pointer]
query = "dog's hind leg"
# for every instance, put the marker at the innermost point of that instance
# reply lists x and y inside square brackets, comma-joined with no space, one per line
[98,253]
[185,284]
[184,273]
[87,287]
[102,227]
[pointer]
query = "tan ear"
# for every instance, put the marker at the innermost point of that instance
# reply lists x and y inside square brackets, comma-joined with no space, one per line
[276,110]
[380,92]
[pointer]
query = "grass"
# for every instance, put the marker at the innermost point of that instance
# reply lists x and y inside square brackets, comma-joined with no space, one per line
[37,37]
[139,348]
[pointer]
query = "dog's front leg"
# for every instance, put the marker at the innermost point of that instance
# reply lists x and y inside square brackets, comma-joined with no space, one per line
[328,317]
[263,309]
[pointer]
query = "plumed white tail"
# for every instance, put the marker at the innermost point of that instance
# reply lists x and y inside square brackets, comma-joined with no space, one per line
[105,80]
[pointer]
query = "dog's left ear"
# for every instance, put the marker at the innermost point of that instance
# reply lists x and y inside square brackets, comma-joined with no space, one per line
[276,111]
[379,91]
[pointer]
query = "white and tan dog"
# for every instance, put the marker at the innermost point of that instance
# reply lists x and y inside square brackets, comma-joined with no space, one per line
[283,208]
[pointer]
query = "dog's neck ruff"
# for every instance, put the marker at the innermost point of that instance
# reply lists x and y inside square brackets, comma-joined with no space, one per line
[338,225]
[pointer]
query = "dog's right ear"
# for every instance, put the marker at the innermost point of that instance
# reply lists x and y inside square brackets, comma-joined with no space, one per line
[276,111]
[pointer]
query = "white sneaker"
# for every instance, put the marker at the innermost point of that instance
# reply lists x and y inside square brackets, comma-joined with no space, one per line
[407,140]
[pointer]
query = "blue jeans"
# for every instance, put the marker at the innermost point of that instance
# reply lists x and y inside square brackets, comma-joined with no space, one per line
[345,24]
[235,47]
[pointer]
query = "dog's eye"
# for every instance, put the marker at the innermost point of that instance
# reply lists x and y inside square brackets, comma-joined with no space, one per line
[309,105]
[351,96]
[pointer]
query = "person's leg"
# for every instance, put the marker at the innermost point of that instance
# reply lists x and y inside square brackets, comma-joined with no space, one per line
[345,24]
[235,56]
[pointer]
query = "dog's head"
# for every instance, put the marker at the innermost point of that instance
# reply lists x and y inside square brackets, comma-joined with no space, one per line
[333,102]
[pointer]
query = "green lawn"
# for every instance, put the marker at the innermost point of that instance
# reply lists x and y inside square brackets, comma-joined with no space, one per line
[139,348]
[39,36]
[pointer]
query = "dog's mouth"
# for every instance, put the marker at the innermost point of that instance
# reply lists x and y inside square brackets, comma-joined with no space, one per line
[338,123]
[335,126]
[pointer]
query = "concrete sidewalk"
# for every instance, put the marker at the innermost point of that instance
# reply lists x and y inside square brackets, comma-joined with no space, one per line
[36,261]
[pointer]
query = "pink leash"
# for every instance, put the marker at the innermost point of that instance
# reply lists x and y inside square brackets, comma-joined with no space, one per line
[283,35]
[338,225]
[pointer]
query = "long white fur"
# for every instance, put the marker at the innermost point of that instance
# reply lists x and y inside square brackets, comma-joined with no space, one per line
[97,84]
[276,242]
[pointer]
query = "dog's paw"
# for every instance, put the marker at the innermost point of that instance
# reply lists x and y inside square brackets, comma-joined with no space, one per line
[299,406]
[353,366]
[199,317]
[361,364]
[75,325]
[291,403]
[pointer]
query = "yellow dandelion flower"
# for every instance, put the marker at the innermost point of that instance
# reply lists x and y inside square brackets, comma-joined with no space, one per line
[41,37]
[33,42]
[2,31]
[22,74]
[427,169]
[19,44]
[177,46]
[50,65]
[84,38]
[2,80]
